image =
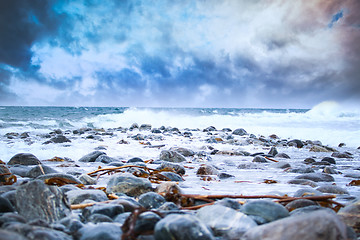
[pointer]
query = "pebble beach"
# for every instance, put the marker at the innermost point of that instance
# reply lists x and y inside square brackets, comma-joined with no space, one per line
[144,182]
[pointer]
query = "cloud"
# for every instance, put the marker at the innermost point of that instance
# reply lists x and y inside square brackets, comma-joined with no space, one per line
[186,53]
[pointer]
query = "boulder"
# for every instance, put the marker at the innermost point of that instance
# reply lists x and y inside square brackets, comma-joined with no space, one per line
[91,157]
[128,184]
[171,156]
[183,151]
[240,132]
[320,225]
[264,211]
[78,196]
[24,159]
[296,143]
[151,200]
[38,200]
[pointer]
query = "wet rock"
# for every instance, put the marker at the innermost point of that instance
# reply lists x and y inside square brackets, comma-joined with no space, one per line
[171,156]
[24,159]
[98,218]
[59,139]
[70,179]
[342,155]
[264,210]
[302,170]
[4,173]
[110,210]
[332,189]
[78,196]
[129,203]
[146,222]
[225,175]
[317,148]
[330,170]
[145,127]
[87,180]
[48,234]
[151,200]
[168,188]
[9,235]
[168,206]
[206,169]
[309,160]
[173,166]
[170,176]
[281,165]
[273,151]
[71,224]
[225,221]
[282,155]
[135,160]
[303,182]
[228,202]
[91,157]
[299,203]
[121,218]
[295,143]
[5,205]
[100,231]
[128,184]
[10,217]
[259,159]
[303,192]
[38,200]
[350,214]
[105,159]
[182,227]
[240,132]
[317,177]
[209,129]
[183,151]
[320,225]
[329,160]
[40,170]
[309,209]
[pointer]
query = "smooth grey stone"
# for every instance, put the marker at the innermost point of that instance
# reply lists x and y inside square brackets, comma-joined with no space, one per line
[10,235]
[174,166]
[110,210]
[317,177]
[282,155]
[240,132]
[225,175]
[273,151]
[100,231]
[332,189]
[145,127]
[281,165]
[20,170]
[268,210]
[121,218]
[302,170]
[183,151]
[259,159]
[329,160]
[167,206]
[299,203]
[38,200]
[47,234]
[170,176]
[91,157]
[11,217]
[128,184]
[228,202]
[59,175]
[98,218]
[105,159]
[308,209]
[134,160]
[182,227]
[38,170]
[225,221]
[303,182]
[303,192]
[78,196]
[24,159]
[296,143]
[151,200]
[206,169]
[320,225]
[146,222]
[87,180]
[59,139]
[341,155]
[171,156]
[72,224]
[350,214]
[129,203]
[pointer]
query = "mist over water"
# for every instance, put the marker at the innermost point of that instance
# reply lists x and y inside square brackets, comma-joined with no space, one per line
[328,122]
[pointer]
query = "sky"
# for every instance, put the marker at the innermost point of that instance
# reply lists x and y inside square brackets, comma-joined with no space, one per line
[172,53]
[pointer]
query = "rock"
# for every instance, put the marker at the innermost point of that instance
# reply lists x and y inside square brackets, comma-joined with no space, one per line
[225,221]
[183,151]
[40,170]
[151,200]
[341,155]
[146,222]
[168,189]
[24,159]
[302,170]
[320,225]
[309,209]
[4,174]
[171,156]
[98,218]
[296,143]
[173,166]
[170,176]
[330,170]
[228,202]
[299,203]
[240,132]
[135,160]
[129,203]
[182,227]
[281,165]
[168,206]
[273,151]
[317,148]
[303,182]
[332,189]
[134,126]
[5,205]
[309,160]
[225,175]
[353,175]
[59,139]
[105,159]
[48,234]
[303,192]
[207,170]
[145,127]
[78,196]
[9,235]
[68,177]
[10,217]
[209,129]
[268,211]
[317,177]
[350,214]
[87,180]
[259,159]
[111,210]
[100,231]
[38,200]
[329,160]
[128,184]
[282,155]
[91,157]
[121,218]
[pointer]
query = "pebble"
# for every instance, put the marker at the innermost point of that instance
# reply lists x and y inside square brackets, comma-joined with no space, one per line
[100,231]
[320,225]
[303,182]
[240,132]
[173,166]
[40,170]
[329,160]
[182,227]
[332,189]
[87,180]
[151,200]
[110,210]
[146,222]
[225,221]
[317,177]
[183,151]
[24,159]
[78,196]
[59,175]
[265,211]
[299,203]
[341,155]
[350,214]
[128,184]
[171,156]
[303,192]
[91,157]
[259,159]
[206,169]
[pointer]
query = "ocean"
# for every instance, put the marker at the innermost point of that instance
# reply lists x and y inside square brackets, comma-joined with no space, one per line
[327,122]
